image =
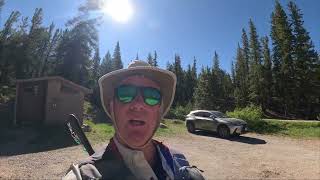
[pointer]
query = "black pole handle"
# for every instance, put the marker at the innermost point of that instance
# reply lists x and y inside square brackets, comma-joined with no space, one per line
[78,134]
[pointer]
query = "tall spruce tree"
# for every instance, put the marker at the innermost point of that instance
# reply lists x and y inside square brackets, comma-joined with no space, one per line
[255,73]
[106,65]
[282,60]
[116,58]
[5,39]
[266,88]
[155,57]
[96,65]
[233,73]
[180,93]
[203,95]
[48,57]
[75,51]
[176,68]
[305,64]
[194,68]
[228,89]
[189,84]
[245,50]
[34,44]
[241,92]
[216,81]
[194,77]
[150,59]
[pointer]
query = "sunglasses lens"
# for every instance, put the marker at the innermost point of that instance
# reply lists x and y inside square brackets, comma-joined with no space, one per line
[152,96]
[126,93]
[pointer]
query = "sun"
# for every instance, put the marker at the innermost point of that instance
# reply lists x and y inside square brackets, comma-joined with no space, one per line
[119,10]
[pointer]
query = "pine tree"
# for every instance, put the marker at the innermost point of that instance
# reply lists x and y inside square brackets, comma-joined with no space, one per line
[305,62]
[96,65]
[216,82]
[17,50]
[282,59]
[6,33]
[116,58]
[75,51]
[216,63]
[228,89]
[106,65]
[169,66]
[155,61]
[233,74]
[245,51]
[255,71]
[189,84]
[194,68]
[150,59]
[180,98]
[241,85]
[266,89]
[34,44]
[203,95]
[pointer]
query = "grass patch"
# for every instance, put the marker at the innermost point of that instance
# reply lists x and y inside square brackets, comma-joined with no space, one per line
[102,132]
[296,129]
[253,116]
[174,127]
[292,129]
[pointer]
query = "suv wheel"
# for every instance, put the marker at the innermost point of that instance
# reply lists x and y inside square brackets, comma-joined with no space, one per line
[190,127]
[224,132]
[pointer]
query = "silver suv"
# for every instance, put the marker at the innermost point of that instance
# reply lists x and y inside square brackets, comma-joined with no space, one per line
[215,121]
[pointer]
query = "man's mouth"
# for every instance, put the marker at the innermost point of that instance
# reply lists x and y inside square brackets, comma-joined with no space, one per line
[135,122]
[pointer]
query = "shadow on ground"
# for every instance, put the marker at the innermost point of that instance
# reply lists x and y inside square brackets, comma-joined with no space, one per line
[242,139]
[24,140]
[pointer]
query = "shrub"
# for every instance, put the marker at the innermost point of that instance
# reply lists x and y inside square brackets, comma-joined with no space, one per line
[6,94]
[179,112]
[252,115]
[249,113]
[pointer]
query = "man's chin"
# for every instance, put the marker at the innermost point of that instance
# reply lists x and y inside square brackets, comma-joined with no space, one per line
[137,143]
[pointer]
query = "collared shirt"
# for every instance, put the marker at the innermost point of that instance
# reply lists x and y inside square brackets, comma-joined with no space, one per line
[118,162]
[139,166]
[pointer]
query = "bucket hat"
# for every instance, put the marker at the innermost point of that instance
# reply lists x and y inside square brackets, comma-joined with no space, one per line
[164,78]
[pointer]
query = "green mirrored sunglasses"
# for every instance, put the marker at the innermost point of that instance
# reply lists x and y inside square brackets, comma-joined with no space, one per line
[127,93]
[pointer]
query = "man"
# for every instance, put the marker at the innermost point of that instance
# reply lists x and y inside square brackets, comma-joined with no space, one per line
[136,99]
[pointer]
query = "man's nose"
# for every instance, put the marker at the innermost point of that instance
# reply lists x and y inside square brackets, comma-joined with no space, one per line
[138,103]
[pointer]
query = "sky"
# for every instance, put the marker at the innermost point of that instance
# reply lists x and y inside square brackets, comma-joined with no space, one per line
[190,28]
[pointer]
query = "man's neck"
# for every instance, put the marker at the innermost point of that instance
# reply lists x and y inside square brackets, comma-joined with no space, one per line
[149,151]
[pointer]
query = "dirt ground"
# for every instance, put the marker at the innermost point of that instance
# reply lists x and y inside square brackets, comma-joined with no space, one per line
[251,156]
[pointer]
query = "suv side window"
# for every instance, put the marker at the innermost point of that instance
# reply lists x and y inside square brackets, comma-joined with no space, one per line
[206,114]
[197,114]
[214,115]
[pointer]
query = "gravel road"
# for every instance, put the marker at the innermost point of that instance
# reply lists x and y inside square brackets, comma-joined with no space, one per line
[249,157]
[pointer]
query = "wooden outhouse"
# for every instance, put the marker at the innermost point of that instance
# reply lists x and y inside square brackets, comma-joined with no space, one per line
[48,100]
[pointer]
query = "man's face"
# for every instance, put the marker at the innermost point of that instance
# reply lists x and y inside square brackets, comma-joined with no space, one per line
[136,121]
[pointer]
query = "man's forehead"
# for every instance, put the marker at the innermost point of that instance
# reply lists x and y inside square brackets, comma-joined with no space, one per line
[139,80]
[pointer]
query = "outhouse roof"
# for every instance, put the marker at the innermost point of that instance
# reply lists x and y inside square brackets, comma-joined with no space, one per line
[63,80]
